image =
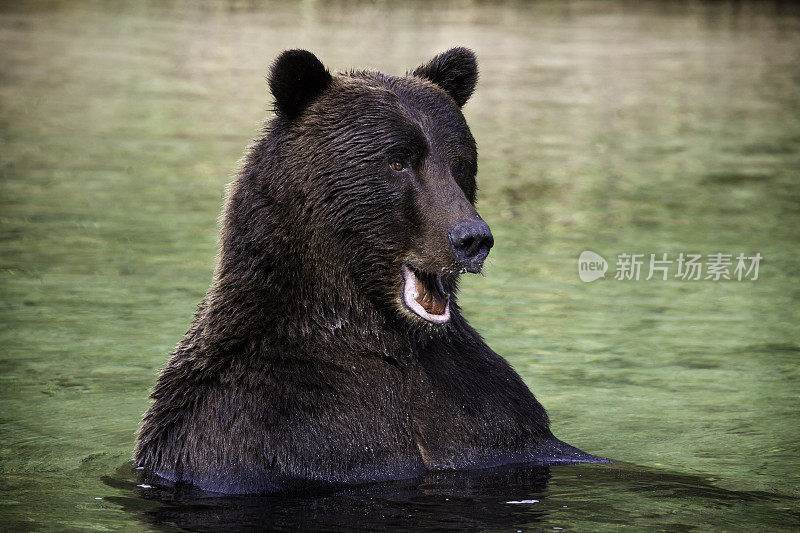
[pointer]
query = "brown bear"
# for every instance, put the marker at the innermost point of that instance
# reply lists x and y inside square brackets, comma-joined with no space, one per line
[330,347]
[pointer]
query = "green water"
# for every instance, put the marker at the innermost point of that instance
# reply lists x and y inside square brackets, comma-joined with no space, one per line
[616,127]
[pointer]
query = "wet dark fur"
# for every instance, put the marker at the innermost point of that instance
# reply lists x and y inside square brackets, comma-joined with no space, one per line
[302,364]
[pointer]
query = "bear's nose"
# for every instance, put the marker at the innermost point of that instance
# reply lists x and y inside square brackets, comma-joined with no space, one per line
[470,243]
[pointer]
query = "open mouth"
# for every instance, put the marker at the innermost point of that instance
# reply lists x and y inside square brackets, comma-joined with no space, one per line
[424,295]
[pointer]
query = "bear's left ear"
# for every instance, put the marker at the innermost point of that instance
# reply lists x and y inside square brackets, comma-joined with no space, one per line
[455,71]
[297,78]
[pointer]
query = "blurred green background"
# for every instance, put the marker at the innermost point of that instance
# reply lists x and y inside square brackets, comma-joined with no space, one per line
[644,127]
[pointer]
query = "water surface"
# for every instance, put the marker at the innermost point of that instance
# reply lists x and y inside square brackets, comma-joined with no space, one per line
[608,126]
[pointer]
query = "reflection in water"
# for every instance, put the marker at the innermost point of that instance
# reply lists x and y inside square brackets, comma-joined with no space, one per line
[508,498]
[441,500]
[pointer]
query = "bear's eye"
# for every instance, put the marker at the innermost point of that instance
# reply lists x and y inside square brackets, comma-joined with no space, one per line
[397,166]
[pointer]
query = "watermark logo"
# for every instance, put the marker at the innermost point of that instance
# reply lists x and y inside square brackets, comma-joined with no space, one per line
[591,266]
[685,267]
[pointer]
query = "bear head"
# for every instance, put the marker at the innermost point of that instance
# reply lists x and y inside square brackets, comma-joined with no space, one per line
[375,174]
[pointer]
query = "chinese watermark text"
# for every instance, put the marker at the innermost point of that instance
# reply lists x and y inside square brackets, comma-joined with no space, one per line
[663,266]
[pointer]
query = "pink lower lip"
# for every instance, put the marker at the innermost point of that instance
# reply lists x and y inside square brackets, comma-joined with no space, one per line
[409,298]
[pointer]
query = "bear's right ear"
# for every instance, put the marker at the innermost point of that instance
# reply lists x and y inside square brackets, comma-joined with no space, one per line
[455,71]
[297,78]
